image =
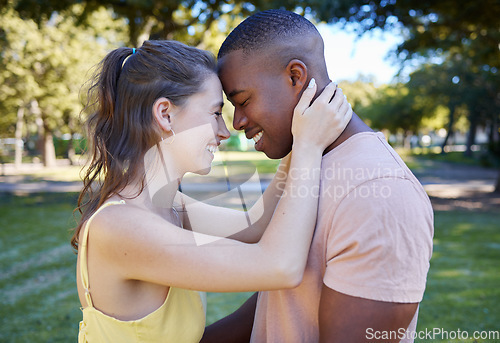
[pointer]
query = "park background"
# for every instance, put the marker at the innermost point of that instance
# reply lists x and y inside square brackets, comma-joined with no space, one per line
[441,111]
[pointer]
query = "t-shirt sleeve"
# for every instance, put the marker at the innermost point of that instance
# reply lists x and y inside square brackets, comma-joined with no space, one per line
[379,242]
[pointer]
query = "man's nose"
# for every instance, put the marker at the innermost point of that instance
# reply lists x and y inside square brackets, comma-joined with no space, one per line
[240,121]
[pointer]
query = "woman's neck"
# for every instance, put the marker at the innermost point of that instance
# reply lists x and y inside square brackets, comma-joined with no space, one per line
[161,183]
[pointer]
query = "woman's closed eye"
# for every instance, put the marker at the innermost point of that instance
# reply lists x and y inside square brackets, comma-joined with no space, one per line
[218,114]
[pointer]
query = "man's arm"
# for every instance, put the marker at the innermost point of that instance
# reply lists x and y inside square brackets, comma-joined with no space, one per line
[235,328]
[345,319]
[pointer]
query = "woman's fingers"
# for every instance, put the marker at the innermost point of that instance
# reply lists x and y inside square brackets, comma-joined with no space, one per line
[340,105]
[306,98]
[321,122]
[337,100]
[327,93]
[345,110]
[344,107]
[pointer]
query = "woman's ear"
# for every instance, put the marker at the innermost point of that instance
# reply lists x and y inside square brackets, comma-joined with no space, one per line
[297,72]
[162,110]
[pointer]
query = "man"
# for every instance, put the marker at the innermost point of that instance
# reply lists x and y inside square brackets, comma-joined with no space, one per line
[369,258]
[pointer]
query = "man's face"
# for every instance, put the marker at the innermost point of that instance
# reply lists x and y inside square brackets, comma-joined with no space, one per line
[263,100]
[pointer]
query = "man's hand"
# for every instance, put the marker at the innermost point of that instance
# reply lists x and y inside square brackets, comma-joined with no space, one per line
[345,319]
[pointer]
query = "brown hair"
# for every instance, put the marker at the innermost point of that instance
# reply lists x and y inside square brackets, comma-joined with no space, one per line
[121,128]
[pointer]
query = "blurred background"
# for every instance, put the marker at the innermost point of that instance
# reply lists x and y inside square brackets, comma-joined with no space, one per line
[425,73]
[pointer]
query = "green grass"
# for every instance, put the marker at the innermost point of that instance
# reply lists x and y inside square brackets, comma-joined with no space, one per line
[452,157]
[478,158]
[462,287]
[62,173]
[37,278]
[39,301]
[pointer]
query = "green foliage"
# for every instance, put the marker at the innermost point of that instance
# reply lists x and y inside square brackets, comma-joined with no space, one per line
[429,27]
[47,63]
[359,93]
[186,20]
[455,82]
[215,35]
[394,108]
[462,38]
[450,94]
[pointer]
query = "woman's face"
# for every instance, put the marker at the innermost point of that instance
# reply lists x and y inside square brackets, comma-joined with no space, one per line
[199,128]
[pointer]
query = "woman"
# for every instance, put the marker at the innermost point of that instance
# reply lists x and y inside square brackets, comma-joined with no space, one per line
[157,115]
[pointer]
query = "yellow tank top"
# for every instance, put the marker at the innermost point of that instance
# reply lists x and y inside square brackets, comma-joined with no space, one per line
[181,318]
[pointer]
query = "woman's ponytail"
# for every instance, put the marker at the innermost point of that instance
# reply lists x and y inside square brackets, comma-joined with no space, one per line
[110,70]
[101,103]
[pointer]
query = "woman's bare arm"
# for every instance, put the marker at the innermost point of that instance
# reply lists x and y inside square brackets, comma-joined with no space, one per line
[225,222]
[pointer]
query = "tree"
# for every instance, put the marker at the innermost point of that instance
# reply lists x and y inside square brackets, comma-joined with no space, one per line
[44,65]
[464,31]
[430,27]
[161,19]
[359,93]
[396,109]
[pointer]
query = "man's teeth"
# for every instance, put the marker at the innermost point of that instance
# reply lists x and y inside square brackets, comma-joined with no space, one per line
[212,148]
[258,136]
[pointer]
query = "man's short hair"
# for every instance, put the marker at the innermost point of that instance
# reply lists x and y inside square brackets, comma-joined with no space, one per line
[261,29]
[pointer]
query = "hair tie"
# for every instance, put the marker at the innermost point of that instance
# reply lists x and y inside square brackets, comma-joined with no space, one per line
[126,58]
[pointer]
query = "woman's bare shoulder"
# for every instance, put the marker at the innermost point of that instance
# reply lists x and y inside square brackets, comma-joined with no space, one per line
[123,224]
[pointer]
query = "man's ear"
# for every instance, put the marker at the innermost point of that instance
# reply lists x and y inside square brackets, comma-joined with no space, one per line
[297,71]
[162,111]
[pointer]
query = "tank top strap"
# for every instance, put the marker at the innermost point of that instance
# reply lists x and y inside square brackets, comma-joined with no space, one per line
[84,272]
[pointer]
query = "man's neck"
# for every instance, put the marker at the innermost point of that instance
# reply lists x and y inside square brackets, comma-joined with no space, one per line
[356,125]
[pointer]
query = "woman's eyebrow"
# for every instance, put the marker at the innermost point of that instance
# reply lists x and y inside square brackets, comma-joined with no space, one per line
[218,105]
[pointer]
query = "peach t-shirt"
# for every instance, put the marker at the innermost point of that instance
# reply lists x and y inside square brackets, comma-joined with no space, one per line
[373,239]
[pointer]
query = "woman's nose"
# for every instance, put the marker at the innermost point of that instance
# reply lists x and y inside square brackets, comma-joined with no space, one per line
[223,132]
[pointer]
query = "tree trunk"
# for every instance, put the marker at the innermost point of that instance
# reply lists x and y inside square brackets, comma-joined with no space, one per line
[450,128]
[45,138]
[133,31]
[495,145]
[145,34]
[18,159]
[49,151]
[497,186]
[471,136]
[71,151]
[140,33]
[407,135]
[494,134]
[35,110]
